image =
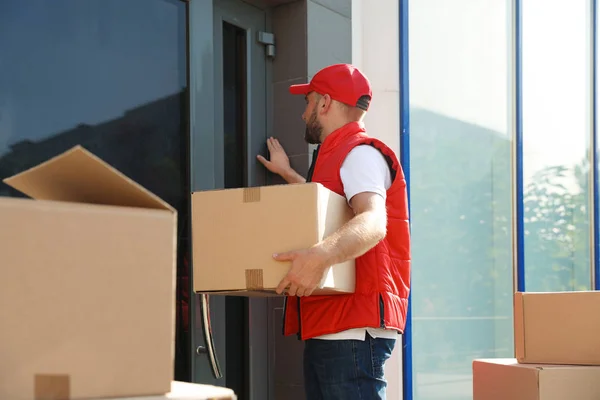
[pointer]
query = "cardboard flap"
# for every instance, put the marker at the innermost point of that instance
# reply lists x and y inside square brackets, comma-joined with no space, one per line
[79,176]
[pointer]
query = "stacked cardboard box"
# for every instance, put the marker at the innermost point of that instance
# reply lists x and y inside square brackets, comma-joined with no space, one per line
[88,284]
[557,348]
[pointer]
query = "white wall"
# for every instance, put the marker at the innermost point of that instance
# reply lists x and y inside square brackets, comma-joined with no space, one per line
[376,51]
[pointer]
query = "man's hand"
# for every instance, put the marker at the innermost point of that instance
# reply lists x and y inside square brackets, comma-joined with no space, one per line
[352,240]
[306,272]
[280,162]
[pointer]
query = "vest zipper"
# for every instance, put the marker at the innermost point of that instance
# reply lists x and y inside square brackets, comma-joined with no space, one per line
[299,321]
[311,169]
[381,312]
[309,176]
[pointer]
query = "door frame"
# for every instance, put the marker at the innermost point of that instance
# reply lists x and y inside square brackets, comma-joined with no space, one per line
[206,173]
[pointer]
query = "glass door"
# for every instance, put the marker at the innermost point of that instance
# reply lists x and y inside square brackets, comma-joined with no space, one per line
[231,120]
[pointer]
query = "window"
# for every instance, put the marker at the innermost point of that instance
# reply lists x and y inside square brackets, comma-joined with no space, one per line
[556,142]
[461,191]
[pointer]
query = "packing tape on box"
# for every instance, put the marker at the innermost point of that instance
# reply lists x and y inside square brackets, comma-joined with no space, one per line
[251,195]
[254,279]
[52,387]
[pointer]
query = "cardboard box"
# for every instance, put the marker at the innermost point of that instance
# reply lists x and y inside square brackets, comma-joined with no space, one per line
[235,233]
[506,379]
[557,328]
[88,284]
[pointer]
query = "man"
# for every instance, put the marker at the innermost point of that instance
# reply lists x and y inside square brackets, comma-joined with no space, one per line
[348,337]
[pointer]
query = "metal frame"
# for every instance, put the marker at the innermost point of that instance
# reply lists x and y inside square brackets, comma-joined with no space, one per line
[244,16]
[252,20]
[595,195]
[202,169]
[517,158]
[206,136]
[269,337]
[407,364]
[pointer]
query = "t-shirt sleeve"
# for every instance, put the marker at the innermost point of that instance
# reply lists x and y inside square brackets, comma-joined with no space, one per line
[365,170]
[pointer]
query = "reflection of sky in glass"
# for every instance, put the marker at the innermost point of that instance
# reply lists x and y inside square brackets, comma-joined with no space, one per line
[114,27]
[555,85]
[462,69]
[555,66]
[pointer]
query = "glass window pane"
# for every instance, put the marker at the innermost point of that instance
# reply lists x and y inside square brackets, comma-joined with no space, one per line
[109,75]
[556,132]
[106,74]
[460,191]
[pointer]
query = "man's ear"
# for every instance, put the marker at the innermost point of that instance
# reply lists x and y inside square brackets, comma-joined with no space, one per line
[325,104]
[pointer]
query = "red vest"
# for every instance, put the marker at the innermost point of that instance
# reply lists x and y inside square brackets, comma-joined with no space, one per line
[382,274]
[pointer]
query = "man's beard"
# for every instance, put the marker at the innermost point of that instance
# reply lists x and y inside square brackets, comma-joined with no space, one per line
[312,135]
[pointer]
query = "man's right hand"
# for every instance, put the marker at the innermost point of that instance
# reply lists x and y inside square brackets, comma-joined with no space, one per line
[280,163]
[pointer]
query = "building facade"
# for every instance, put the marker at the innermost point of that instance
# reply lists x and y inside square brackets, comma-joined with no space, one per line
[490,105]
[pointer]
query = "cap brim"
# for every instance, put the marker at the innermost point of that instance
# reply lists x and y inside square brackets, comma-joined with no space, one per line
[300,89]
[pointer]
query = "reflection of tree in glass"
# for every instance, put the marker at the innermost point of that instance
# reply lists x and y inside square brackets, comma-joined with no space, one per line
[462,258]
[462,224]
[557,229]
[145,143]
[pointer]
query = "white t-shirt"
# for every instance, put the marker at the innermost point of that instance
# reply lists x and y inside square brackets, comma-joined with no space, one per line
[364,170]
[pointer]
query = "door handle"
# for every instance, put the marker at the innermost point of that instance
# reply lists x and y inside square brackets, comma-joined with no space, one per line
[208,338]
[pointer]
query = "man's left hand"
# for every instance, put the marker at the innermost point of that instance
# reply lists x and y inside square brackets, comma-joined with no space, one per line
[306,272]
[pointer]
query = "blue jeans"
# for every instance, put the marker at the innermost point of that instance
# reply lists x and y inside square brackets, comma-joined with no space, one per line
[346,369]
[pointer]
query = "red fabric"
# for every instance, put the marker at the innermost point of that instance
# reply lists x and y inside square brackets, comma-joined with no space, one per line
[382,274]
[343,82]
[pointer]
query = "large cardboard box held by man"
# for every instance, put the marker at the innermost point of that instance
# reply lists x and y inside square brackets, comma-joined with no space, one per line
[506,379]
[557,328]
[88,284]
[235,233]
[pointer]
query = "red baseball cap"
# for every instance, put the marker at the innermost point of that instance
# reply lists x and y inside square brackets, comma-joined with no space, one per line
[343,82]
